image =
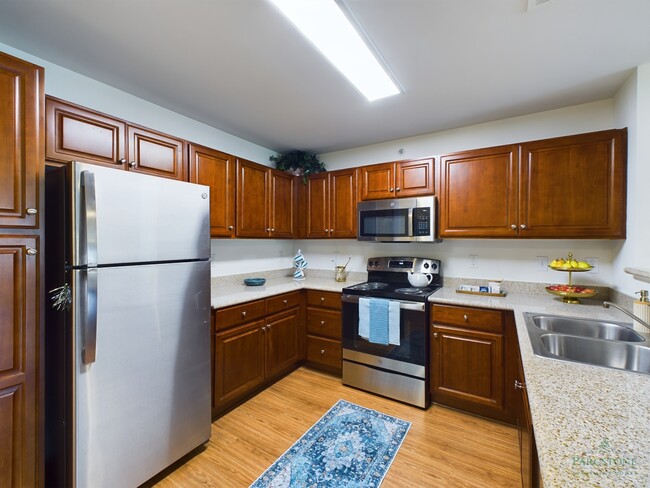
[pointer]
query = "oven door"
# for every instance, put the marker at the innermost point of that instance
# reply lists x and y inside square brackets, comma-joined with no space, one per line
[413,333]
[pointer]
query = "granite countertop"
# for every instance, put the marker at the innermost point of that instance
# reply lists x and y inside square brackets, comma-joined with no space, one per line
[592,424]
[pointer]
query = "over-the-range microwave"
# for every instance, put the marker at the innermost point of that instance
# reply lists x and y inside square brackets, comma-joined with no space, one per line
[397,220]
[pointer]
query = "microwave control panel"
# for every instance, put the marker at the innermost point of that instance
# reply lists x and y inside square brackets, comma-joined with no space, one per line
[421,221]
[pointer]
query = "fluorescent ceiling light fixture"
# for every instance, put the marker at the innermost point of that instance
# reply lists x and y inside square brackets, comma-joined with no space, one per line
[326,26]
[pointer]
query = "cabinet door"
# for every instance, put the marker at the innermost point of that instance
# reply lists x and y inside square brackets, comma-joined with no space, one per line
[282,204]
[414,178]
[574,187]
[21,142]
[78,134]
[478,193]
[156,154]
[217,170]
[239,363]
[282,350]
[377,181]
[343,203]
[252,199]
[468,367]
[318,206]
[19,422]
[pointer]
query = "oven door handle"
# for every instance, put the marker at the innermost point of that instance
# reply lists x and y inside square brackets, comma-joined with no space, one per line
[403,305]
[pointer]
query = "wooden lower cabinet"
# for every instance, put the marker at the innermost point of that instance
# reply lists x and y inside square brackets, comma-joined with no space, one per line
[254,344]
[530,474]
[19,335]
[472,366]
[324,331]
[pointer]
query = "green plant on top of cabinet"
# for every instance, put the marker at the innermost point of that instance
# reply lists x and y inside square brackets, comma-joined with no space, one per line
[331,205]
[216,170]
[565,187]
[397,179]
[265,201]
[76,133]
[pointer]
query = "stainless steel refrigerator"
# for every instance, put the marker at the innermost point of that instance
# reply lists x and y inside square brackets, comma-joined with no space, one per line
[127,332]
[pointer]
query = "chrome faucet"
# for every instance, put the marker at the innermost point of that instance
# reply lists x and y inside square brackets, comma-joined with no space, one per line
[629,314]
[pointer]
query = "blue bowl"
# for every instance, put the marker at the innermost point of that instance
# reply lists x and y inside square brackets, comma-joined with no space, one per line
[254,281]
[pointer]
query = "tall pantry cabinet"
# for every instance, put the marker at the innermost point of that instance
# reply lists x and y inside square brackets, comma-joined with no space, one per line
[22,161]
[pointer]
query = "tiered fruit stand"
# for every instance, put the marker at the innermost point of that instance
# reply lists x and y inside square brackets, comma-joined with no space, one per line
[571,293]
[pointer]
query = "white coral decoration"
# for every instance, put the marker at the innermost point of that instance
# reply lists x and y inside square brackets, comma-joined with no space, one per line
[300,264]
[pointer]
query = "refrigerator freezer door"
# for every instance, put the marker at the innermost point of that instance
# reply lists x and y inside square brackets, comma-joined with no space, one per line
[121,217]
[145,401]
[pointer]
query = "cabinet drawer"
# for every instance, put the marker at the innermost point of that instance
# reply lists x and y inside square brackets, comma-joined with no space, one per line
[282,302]
[469,317]
[326,299]
[239,314]
[325,352]
[324,322]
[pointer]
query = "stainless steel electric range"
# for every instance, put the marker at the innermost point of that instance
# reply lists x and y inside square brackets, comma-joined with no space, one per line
[398,369]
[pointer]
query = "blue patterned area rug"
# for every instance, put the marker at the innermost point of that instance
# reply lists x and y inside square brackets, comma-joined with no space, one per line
[349,447]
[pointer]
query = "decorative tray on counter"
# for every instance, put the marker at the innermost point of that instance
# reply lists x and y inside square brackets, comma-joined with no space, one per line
[485,293]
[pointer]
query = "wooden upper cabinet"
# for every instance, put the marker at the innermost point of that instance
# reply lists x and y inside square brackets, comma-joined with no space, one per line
[282,204]
[566,187]
[398,179]
[77,134]
[332,205]
[21,142]
[156,154]
[478,193]
[343,203]
[252,199]
[317,226]
[574,186]
[216,170]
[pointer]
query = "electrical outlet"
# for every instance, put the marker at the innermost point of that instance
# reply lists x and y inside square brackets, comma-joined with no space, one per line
[473,261]
[541,263]
[594,263]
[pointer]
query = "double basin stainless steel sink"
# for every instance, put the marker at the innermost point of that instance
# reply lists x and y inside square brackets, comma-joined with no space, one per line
[597,342]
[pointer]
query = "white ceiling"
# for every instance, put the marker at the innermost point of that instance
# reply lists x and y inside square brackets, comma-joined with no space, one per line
[239,66]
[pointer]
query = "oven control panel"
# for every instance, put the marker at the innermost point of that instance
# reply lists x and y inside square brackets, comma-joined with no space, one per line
[398,264]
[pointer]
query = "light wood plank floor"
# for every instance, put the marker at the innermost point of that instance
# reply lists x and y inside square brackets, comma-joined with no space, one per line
[443,448]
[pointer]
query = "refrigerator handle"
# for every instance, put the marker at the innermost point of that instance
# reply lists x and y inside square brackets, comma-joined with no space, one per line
[88,299]
[88,219]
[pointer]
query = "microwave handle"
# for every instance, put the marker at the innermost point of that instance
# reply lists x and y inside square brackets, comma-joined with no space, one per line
[416,306]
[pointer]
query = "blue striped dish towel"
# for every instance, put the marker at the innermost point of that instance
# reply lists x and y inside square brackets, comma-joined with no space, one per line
[378,333]
[393,320]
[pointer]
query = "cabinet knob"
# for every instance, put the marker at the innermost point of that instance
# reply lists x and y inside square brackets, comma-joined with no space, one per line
[466,318]
[326,231]
[513,226]
[132,164]
[322,299]
[268,326]
[230,227]
[121,161]
[31,251]
[285,302]
[331,231]
[322,351]
[268,229]
[519,385]
[243,314]
[435,334]
[397,189]
[263,328]
[391,189]
[522,226]
[322,323]
[272,229]
[31,211]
